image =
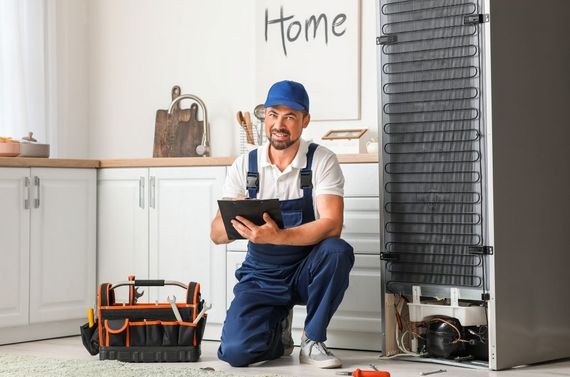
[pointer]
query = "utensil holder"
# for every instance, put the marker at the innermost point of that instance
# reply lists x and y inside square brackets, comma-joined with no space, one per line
[257,130]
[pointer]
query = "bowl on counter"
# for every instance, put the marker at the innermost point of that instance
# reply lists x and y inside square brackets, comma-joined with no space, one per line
[9,149]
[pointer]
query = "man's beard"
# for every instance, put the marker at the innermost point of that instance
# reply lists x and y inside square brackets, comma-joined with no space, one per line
[278,144]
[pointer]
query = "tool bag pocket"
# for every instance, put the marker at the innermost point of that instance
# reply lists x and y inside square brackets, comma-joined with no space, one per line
[170,333]
[164,333]
[137,333]
[187,334]
[117,332]
[90,337]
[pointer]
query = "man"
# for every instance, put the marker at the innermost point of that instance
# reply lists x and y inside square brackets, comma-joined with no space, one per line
[304,263]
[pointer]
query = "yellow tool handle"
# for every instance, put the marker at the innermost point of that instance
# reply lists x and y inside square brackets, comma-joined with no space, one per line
[90,317]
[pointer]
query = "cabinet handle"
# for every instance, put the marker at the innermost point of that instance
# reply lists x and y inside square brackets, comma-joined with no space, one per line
[152,183]
[37,199]
[141,192]
[27,192]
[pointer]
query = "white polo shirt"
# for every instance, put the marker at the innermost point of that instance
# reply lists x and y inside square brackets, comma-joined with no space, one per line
[286,184]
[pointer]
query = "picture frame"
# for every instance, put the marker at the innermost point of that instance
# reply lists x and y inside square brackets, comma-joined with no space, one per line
[347,134]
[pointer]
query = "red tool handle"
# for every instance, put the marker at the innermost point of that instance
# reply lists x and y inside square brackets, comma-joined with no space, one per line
[370,373]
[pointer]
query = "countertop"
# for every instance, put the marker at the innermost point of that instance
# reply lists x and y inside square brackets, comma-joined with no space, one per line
[26,162]
[149,162]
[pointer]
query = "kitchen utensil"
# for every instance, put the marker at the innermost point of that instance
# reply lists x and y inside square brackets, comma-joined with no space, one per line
[248,127]
[240,117]
[178,133]
[259,112]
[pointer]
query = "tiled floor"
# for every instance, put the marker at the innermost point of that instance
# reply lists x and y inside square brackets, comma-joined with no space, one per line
[71,348]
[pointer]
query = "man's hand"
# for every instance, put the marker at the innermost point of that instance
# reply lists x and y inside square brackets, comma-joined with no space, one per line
[267,233]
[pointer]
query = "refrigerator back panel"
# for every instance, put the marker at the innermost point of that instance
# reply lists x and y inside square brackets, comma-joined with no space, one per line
[432,146]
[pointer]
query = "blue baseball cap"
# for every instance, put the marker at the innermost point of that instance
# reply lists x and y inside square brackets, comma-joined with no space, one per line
[288,93]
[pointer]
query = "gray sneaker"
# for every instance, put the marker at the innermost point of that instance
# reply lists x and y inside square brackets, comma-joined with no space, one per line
[317,354]
[286,337]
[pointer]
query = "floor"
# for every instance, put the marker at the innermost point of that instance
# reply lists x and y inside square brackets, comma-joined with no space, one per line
[71,348]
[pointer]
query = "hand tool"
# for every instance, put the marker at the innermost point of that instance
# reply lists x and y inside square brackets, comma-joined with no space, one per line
[365,373]
[433,372]
[90,317]
[207,306]
[137,295]
[172,303]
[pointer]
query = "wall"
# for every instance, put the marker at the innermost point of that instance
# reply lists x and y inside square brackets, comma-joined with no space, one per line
[137,50]
[67,86]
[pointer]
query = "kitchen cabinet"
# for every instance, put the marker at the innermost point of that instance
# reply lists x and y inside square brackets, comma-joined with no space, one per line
[15,239]
[122,226]
[155,223]
[48,231]
[357,322]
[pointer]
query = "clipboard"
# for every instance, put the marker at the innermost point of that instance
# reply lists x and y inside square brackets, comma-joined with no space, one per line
[251,209]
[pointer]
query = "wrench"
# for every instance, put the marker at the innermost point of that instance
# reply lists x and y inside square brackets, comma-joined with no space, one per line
[137,295]
[172,303]
[207,306]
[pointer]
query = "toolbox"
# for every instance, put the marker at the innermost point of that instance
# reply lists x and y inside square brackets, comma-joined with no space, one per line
[146,332]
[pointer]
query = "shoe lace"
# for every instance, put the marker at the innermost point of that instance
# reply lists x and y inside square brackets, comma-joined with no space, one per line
[322,348]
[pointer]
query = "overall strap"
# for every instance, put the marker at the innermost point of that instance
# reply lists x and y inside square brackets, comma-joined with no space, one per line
[307,173]
[252,182]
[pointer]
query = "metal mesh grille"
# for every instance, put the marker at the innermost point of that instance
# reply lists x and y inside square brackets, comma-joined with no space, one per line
[431,144]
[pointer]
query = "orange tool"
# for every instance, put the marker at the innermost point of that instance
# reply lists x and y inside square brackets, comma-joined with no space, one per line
[365,373]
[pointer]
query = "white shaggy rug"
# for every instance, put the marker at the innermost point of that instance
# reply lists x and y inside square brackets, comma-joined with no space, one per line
[20,366]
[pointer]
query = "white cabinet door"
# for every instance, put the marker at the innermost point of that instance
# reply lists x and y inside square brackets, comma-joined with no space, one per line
[122,227]
[15,246]
[62,252]
[183,202]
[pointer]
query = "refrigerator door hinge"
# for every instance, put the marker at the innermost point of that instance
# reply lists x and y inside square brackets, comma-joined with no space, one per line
[386,39]
[473,19]
[481,250]
[389,256]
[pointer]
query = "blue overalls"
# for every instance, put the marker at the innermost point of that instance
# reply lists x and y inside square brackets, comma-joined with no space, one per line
[273,278]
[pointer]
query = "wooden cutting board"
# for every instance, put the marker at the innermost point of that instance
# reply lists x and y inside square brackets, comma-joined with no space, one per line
[177,134]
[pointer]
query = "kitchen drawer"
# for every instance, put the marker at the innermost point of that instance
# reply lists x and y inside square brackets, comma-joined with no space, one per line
[362,224]
[360,179]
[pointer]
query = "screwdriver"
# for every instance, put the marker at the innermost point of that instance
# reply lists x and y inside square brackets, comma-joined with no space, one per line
[365,373]
[90,317]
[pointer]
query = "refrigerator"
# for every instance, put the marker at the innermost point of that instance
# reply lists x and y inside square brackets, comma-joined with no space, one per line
[474,121]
